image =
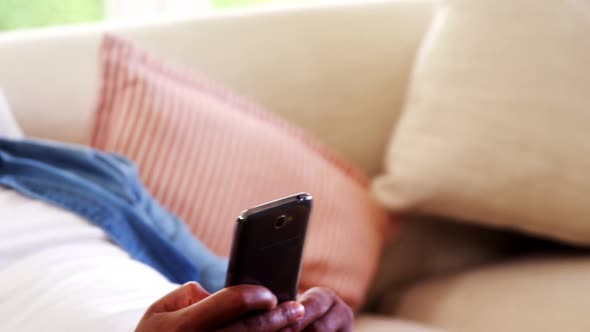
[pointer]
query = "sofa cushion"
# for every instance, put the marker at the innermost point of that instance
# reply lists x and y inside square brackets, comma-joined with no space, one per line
[541,294]
[207,155]
[368,323]
[496,125]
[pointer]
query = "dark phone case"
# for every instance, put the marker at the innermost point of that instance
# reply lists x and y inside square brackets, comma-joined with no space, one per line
[267,255]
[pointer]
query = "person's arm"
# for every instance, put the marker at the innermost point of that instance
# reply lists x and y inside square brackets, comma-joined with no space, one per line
[191,308]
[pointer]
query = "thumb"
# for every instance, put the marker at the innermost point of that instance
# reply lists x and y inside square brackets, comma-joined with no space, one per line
[182,297]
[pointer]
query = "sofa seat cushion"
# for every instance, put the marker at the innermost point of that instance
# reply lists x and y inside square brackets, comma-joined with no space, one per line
[541,294]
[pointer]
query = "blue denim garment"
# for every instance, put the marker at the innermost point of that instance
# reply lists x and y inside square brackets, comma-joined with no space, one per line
[106,190]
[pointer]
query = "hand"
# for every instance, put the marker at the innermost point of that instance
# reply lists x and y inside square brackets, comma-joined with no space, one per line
[324,311]
[191,308]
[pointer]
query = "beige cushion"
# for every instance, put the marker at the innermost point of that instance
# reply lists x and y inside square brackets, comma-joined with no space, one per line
[384,324]
[537,294]
[497,122]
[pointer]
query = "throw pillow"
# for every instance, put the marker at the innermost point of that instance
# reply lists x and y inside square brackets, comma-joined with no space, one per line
[207,154]
[495,129]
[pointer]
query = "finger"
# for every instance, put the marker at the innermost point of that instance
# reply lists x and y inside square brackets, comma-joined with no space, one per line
[317,302]
[283,315]
[338,318]
[182,297]
[225,306]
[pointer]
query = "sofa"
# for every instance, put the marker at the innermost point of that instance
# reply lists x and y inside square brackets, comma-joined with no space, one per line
[281,57]
[343,70]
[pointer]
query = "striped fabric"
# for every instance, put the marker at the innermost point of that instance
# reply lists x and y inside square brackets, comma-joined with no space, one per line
[207,154]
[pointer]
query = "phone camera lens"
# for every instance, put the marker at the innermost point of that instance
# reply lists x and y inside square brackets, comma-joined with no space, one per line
[281,221]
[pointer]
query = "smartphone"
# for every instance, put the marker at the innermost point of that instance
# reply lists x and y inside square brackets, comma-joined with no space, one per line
[268,243]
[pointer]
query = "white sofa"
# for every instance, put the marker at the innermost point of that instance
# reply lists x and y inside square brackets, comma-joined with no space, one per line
[338,69]
[322,66]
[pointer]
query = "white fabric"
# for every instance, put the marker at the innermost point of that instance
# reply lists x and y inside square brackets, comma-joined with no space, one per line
[78,287]
[323,67]
[8,125]
[28,226]
[60,273]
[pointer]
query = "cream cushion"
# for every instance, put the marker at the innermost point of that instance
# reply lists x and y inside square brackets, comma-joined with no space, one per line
[541,294]
[497,124]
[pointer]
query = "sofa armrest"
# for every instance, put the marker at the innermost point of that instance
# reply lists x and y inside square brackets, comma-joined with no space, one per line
[338,69]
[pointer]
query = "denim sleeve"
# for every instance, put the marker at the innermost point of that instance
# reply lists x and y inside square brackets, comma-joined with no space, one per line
[107,191]
[212,268]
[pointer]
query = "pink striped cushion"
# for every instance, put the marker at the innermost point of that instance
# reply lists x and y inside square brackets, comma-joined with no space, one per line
[206,154]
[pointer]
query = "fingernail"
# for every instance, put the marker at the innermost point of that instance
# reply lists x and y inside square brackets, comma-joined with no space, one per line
[297,311]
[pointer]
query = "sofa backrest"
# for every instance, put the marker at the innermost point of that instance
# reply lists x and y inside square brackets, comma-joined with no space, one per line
[338,69]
